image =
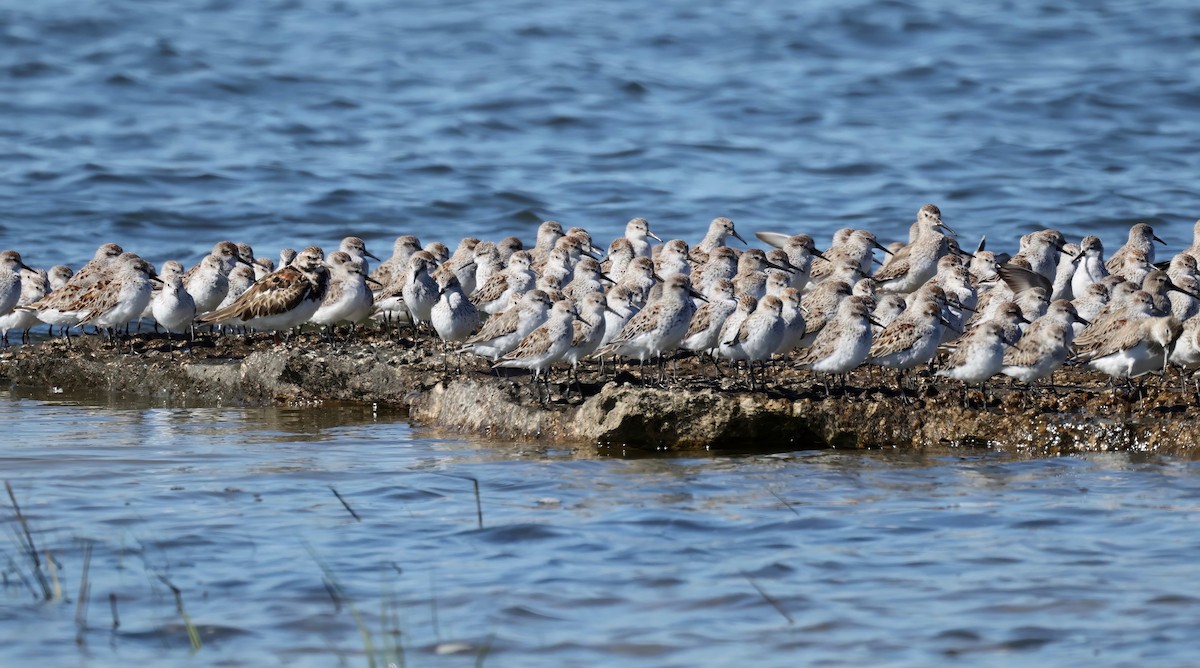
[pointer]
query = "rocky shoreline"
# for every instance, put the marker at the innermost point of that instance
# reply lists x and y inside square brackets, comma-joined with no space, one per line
[694,412]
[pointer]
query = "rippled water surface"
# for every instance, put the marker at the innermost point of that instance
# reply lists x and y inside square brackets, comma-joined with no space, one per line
[169,126]
[813,558]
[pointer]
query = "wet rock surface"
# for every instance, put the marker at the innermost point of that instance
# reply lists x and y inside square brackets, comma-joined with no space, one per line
[690,410]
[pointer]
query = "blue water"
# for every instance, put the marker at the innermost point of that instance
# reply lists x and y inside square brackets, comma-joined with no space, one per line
[169,126]
[817,558]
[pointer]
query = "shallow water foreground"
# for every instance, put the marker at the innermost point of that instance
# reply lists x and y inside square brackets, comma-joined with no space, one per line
[814,558]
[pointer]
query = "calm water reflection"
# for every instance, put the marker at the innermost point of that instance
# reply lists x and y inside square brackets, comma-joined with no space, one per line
[843,558]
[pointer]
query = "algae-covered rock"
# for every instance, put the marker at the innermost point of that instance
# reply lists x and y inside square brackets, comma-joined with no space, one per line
[463,395]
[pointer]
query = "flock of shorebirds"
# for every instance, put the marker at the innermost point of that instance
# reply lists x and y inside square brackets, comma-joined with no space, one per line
[565,300]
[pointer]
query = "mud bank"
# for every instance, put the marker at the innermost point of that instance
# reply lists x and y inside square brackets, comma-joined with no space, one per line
[694,412]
